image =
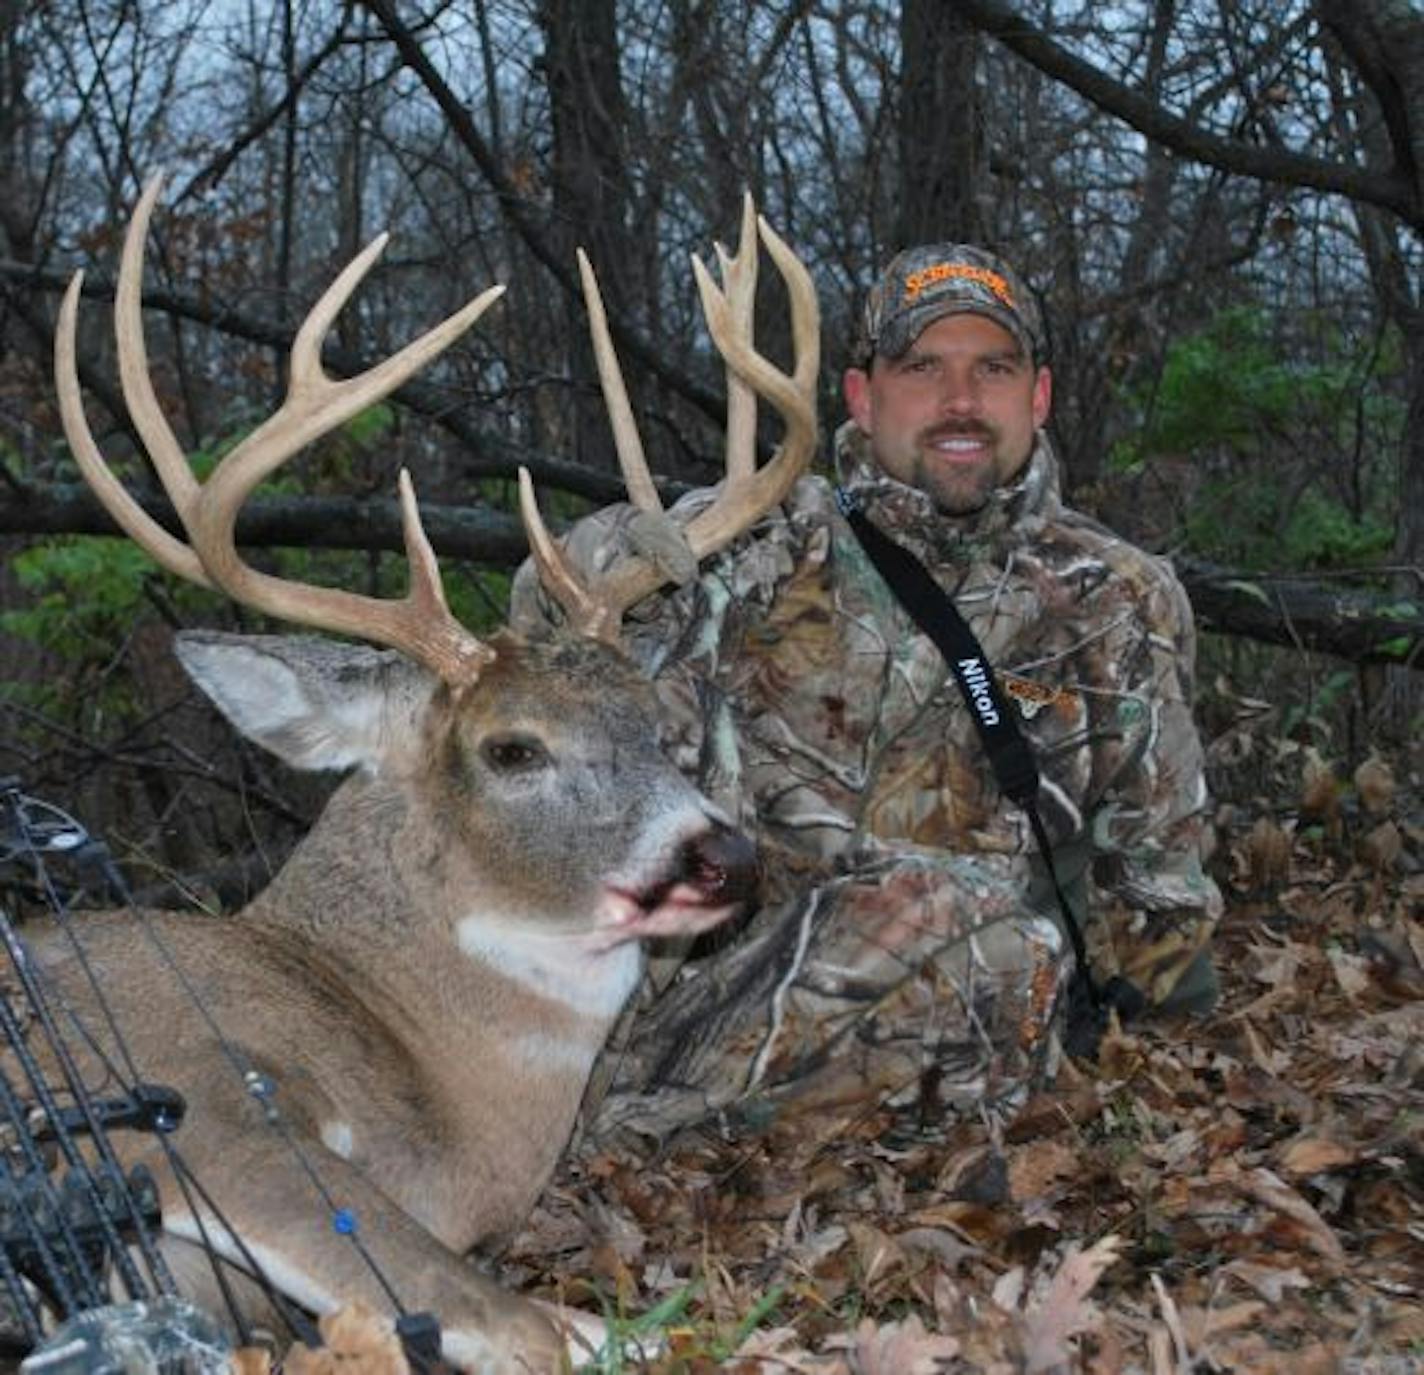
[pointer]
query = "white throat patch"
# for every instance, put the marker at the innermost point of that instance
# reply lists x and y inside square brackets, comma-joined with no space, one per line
[555,967]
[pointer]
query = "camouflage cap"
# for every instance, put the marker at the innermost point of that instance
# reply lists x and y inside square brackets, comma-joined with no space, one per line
[923,284]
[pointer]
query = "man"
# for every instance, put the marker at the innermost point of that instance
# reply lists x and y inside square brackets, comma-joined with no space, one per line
[909,946]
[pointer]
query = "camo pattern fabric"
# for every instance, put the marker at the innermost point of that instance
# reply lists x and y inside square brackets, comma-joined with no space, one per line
[905,945]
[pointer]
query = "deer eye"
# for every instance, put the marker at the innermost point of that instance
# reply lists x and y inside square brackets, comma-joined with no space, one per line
[514,753]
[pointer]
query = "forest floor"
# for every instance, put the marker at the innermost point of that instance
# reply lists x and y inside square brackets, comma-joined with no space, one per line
[1240,1193]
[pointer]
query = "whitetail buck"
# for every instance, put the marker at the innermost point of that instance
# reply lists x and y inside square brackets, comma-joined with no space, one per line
[428,980]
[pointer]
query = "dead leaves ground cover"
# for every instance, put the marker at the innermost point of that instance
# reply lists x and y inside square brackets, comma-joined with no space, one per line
[1244,1193]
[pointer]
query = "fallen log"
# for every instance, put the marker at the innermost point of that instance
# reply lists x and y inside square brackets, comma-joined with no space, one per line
[1364,624]
[1367,626]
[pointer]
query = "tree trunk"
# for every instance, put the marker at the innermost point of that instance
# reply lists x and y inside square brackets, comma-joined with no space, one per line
[589,185]
[942,168]
[17,201]
[1093,368]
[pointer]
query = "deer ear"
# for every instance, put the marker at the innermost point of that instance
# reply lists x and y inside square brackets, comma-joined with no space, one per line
[316,704]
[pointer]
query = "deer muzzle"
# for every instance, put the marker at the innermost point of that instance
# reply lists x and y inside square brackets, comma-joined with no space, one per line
[722,865]
[713,873]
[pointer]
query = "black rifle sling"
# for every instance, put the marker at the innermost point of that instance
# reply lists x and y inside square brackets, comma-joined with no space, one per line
[1010,754]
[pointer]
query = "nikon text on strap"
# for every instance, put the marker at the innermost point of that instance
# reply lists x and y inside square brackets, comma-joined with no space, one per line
[1010,755]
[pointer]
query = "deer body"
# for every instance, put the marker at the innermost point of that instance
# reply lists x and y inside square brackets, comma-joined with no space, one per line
[427,982]
[421,992]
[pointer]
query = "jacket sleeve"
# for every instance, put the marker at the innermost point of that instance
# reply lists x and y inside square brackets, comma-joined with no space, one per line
[1152,907]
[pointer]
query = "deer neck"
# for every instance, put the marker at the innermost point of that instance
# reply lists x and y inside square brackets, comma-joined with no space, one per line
[399,892]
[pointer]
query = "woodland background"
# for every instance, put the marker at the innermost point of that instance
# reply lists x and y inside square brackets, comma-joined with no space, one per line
[1221,203]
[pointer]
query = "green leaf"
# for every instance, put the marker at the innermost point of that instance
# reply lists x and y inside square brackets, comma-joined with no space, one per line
[1396,648]
[759,1312]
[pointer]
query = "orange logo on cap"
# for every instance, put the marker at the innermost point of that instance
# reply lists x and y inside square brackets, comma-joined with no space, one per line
[916,282]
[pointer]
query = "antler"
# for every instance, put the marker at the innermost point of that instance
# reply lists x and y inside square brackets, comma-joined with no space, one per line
[419,624]
[595,606]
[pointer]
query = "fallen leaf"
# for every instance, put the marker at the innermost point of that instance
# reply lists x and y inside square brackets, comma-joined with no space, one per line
[1268,1061]
[877,1253]
[1374,782]
[1351,972]
[1036,1167]
[1268,853]
[897,1348]
[1277,966]
[356,1341]
[1319,788]
[975,1223]
[1394,961]
[814,1245]
[1009,1289]
[1312,1154]
[947,1248]
[781,1349]
[1177,1152]
[1269,1281]
[1381,846]
[1275,1193]
[1201,1325]
[1065,1311]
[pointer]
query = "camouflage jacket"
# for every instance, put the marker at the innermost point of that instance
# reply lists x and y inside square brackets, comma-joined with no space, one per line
[807,704]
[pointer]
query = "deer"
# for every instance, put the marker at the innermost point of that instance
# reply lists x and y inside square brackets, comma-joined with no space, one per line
[423,988]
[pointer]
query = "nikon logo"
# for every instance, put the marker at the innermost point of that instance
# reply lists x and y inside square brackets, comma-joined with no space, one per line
[976,682]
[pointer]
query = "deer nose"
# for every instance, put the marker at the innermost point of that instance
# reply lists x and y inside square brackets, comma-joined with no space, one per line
[722,863]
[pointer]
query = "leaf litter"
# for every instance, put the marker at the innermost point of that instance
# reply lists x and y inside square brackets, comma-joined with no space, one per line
[1243,1192]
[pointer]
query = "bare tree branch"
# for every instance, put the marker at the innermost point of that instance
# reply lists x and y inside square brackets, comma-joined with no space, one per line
[1391,190]
[483,454]
[208,177]
[517,207]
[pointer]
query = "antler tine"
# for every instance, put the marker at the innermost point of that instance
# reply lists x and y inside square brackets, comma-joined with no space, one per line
[315,403]
[744,500]
[586,609]
[739,274]
[158,438]
[631,458]
[159,441]
[748,492]
[585,612]
[168,552]
[419,624]
[596,606]
[805,317]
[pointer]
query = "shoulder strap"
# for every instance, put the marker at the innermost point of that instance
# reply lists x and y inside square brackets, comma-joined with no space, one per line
[1010,754]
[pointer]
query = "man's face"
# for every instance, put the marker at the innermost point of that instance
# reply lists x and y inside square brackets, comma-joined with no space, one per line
[956,415]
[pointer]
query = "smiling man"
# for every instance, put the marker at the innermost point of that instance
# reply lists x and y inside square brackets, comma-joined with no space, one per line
[910,947]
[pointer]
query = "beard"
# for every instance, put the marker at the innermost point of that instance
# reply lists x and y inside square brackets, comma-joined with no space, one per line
[957,486]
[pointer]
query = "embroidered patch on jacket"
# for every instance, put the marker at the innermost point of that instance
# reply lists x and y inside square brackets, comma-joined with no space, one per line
[1033,697]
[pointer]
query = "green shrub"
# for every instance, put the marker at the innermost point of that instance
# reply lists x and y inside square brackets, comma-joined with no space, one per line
[1265,429]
